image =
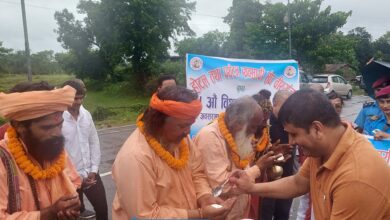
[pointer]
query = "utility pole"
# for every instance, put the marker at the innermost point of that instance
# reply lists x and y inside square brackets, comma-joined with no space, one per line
[26,45]
[289,27]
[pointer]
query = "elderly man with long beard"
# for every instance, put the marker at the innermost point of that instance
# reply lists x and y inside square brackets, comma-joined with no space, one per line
[226,146]
[37,179]
[158,172]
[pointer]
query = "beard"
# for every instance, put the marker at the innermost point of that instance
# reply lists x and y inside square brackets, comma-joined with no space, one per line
[244,143]
[47,150]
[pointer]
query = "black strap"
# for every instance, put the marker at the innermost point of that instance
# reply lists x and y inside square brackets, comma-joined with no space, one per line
[34,191]
[13,204]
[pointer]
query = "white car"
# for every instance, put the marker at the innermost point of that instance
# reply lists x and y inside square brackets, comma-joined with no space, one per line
[334,83]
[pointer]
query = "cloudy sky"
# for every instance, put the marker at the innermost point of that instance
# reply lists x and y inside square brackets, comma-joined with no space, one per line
[372,14]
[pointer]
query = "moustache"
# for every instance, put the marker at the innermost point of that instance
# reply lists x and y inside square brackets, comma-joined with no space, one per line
[50,149]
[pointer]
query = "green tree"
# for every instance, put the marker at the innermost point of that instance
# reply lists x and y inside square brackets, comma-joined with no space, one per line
[44,62]
[241,14]
[84,57]
[268,37]
[335,48]
[363,47]
[310,24]
[382,47]
[17,62]
[4,52]
[212,44]
[135,33]
[265,35]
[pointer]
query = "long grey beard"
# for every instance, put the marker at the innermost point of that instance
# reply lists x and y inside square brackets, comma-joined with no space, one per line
[244,143]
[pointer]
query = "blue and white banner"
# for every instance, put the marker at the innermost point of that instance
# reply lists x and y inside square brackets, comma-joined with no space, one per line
[219,81]
[382,146]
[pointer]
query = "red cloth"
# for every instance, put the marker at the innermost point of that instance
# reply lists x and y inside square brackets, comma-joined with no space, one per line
[383,92]
[384,80]
[254,211]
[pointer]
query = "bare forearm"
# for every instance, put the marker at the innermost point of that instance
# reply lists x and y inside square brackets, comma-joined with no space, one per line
[284,188]
[194,213]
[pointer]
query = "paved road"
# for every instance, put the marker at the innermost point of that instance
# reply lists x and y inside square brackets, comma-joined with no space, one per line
[111,140]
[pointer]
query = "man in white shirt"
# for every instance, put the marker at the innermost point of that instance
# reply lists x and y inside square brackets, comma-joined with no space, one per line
[82,145]
[165,81]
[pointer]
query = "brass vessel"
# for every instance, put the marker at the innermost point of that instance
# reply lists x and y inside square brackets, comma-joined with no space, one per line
[275,172]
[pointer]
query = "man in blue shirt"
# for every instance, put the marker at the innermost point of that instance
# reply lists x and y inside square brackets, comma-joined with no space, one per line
[380,128]
[371,111]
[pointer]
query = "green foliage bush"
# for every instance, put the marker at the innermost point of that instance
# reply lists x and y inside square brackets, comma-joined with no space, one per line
[101,113]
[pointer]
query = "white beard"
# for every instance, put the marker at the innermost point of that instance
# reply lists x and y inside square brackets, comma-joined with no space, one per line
[244,143]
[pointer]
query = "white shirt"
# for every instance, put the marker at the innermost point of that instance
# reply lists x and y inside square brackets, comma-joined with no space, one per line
[82,142]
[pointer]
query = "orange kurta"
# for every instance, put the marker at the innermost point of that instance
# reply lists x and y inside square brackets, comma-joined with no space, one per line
[148,188]
[219,165]
[49,190]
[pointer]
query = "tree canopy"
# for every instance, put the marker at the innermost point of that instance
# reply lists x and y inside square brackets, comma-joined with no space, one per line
[131,33]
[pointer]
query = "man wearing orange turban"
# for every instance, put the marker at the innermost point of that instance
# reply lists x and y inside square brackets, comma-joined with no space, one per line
[38,181]
[158,173]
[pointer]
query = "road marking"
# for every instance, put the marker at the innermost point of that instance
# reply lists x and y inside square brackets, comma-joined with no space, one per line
[113,132]
[124,126]
[105,174]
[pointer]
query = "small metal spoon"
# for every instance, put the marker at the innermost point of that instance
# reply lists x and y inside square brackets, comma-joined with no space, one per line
[217,191]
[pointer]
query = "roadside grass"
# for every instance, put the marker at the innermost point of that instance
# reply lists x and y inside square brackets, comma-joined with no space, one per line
[356,90]
[114,109]
[108,108]
[7,81]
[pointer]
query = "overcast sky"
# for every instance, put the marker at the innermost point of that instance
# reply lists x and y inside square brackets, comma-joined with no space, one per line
[374,15]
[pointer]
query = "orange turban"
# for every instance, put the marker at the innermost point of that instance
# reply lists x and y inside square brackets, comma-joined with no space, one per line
[175,109]
[21,106]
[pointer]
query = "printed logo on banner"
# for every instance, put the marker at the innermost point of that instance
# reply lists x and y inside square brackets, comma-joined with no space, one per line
[196,63]
[290,72]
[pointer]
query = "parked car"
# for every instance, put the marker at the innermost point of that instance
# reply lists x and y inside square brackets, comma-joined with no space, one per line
[304,80]
[362,85]
[334,83]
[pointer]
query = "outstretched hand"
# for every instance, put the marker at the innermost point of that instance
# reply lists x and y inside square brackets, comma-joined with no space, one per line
[211,212]
[242,183]
[278,148]
[284,150]
[266,160]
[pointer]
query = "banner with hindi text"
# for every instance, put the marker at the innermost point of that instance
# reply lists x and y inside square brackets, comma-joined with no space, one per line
[382,146]
[219,81]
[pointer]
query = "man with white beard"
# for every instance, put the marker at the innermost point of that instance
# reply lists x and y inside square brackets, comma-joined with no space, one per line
[226,146]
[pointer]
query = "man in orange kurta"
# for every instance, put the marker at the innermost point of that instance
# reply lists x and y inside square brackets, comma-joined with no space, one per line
[241,119]
[42,184]
[158,172]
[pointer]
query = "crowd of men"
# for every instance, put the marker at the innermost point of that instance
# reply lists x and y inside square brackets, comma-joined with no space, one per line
[239,166]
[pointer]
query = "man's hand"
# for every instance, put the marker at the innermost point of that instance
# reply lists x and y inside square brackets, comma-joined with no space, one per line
[279,148]
[379,135]
[66,207]
[92,176]
[207,200]
[242,183]
[69,214]
[210,212]
[265,161]
[89,181]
